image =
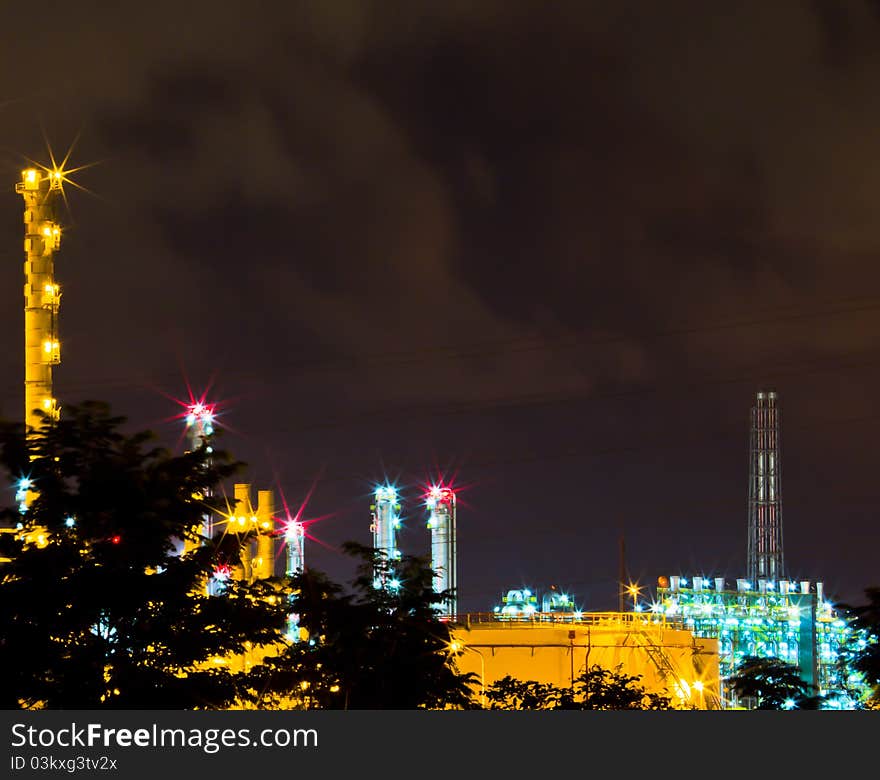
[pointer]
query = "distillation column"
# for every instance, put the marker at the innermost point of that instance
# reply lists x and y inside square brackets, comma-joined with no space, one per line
[243,523]
[294,536]
[765,560]
[441,521]
[385,524]
[42,295]
[256,528]
[264,562]
[200,430]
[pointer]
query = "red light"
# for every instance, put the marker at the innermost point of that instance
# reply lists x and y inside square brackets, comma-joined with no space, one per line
[116,539]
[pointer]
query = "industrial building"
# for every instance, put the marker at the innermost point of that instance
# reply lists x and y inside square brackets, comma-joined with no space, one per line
[791,621]
[766,614]
[556,648]
[697,631]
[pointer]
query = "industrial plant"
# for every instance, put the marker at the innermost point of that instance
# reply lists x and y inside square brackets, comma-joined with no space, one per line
[684,643]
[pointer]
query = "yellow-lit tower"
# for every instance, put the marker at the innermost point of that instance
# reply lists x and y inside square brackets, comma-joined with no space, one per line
[42,295]
[257,529]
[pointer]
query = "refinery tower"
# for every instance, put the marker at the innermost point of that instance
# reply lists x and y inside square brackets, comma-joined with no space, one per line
[765,561]
[384,525]
[767,613]
[42,295]
[441,522]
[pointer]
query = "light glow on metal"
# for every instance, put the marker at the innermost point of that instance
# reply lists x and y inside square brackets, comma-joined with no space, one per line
[785,623]
[441,505]
[385,522]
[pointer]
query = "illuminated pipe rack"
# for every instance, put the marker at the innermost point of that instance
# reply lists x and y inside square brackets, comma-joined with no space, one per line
[441,522]
[385,522]
[42,349]
[783,619]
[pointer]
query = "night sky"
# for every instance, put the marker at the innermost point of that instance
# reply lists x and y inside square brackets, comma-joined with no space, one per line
[549,251]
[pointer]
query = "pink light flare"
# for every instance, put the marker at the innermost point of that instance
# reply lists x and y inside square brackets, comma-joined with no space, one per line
[288,523]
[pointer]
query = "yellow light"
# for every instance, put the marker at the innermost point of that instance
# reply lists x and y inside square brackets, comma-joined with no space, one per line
[47,403]
[30,175]
[334,689]
[241,521]
[254,519]
[304,684]
[698,686]
[454,646]
[47,345]
[47,231]
[265,524]
[684,689]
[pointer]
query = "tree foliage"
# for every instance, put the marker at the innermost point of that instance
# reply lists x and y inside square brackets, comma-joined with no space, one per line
[510,693]
[773,684]
[374,646]
[108,613]
[865,656]
[596,689]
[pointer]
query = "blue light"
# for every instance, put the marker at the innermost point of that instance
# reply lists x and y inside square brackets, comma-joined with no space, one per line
[386,493]
[69,522]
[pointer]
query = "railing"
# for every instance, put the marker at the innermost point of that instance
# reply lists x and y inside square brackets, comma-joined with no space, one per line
[623,620]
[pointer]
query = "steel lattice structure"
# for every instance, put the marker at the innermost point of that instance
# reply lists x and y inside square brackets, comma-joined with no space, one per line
[765,558]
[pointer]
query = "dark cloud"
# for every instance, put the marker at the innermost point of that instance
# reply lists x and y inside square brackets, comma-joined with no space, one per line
[553,247]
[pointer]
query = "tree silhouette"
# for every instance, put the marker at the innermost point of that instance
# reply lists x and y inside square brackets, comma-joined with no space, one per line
[97,607]
[510,693]
[773,684]
[370,648]
[865,657]
[596,689]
